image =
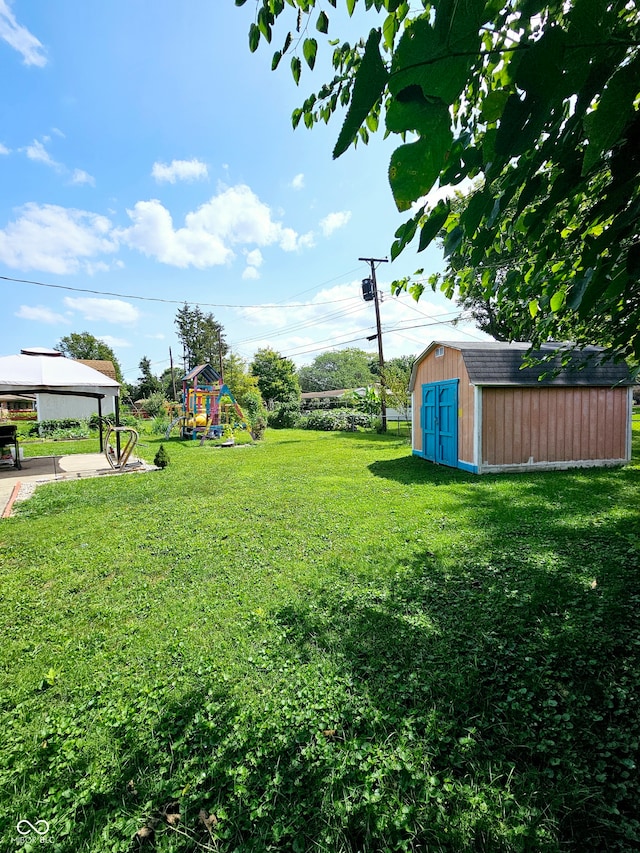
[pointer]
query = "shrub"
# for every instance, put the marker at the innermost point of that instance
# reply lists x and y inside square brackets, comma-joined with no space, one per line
[161,459]
[258,427]
[256,413]
[61,428]
[126,419]
[160,425]
[286,416]
[336,419]
[154,405]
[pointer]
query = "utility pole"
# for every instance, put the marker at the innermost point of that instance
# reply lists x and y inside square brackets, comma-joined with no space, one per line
[173,377]
[220,356]
[370,294]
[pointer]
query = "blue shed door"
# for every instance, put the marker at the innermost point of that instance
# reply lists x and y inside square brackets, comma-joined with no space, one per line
[439,416]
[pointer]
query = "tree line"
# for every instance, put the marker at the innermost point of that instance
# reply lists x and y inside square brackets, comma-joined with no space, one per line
[272,376]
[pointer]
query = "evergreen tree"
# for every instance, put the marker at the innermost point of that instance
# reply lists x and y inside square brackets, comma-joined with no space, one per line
[201,337]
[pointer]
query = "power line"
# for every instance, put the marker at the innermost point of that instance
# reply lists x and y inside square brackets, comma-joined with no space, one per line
[303,324]
[166,301]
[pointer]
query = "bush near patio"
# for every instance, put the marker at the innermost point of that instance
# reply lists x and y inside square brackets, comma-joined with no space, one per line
[322,643]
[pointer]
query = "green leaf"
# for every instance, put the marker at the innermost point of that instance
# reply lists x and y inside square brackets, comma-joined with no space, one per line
[322,24]
[409,110]
[265,19]
[477,207]
[389,30]
[371,78]
[277,56]
[557,301]
[541,67]
[422,59]
[434,223]
[296,68]
[351,5]
[517,131]
[493,105]
[309,50]
[254,38]
[453,240]
[415,167]
[604,125]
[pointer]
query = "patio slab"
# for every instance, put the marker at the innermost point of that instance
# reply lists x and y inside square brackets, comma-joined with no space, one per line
[45,469]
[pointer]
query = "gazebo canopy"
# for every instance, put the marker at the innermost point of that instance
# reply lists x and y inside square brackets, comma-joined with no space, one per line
[44,371]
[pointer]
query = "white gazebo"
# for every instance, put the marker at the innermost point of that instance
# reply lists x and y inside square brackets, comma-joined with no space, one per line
[45,371]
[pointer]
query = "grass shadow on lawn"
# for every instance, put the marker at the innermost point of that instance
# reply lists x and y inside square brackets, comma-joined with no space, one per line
[514,660]
[411,470]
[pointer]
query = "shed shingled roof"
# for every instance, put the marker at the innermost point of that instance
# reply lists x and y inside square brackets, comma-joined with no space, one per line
[500,363]
[101,366]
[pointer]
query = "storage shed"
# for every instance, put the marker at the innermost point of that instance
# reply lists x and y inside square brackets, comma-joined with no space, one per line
[481,407]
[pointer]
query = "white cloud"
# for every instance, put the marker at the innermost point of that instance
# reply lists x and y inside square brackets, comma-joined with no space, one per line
[79,176]
[19,38]
[334,221]
[153,234]
[4,149]
[159,336]
[338,317]
[37,151]
[180,170]
[111,310]
[298,182]
[254,258]
[55,239]
[443,193]
[114,343]
[306,241]
[254,261]
[233,217]
[40,313]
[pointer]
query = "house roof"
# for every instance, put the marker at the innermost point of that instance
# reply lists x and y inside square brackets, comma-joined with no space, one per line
[318,395]
[500,363]
[100,365]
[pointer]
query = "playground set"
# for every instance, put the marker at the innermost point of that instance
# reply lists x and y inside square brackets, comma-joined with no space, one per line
[208,406]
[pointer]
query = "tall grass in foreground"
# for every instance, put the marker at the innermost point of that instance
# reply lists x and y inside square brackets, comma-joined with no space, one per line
[322,643]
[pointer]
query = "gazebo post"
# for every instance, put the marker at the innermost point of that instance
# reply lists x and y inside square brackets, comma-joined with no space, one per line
[100,423]
[117,405]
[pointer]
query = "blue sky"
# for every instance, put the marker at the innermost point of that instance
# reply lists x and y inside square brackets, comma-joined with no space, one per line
[147,158]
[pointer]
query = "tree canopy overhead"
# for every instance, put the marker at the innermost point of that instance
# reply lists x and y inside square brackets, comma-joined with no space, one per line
[536,101]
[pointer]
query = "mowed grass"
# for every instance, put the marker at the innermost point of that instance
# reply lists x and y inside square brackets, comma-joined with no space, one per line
[322,643]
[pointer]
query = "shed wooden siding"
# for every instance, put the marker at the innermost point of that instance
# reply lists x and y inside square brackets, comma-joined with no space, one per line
[553,425]
[448,366]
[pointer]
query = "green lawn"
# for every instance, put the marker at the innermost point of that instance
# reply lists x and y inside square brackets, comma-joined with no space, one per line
[326,644]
